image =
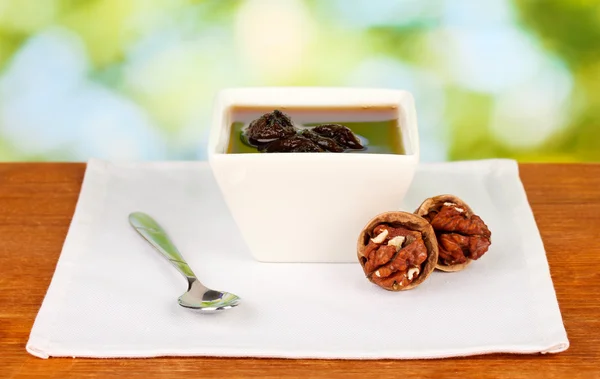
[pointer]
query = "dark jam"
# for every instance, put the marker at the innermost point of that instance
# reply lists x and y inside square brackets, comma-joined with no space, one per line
[342,130]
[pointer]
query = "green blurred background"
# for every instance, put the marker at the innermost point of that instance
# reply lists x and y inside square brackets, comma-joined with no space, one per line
[135,79]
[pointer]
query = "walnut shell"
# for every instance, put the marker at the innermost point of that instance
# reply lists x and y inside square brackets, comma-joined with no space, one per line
[408,221]
[434,204]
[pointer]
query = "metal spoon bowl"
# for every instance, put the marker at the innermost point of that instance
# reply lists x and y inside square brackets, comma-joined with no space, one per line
[198,296]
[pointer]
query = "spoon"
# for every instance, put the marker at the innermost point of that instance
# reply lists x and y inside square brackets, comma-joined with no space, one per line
[198,296]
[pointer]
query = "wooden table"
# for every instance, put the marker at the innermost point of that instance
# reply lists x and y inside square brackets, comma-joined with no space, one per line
[37,201]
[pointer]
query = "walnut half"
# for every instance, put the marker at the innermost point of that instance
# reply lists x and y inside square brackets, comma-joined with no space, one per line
[397,250]
[462,236]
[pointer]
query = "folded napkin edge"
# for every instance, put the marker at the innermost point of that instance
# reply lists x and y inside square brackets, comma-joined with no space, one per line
[243,352]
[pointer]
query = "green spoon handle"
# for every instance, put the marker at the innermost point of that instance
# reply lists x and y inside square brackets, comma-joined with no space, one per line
[148,228]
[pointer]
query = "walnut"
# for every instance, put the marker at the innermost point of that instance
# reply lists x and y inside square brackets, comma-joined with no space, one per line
[462,236]
[397,250]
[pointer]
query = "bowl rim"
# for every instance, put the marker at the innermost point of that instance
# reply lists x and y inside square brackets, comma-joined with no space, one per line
[275,97]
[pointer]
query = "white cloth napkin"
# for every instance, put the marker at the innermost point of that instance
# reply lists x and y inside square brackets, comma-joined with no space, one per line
[112,295]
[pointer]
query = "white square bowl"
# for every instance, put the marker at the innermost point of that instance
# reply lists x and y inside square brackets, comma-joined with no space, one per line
[310,207]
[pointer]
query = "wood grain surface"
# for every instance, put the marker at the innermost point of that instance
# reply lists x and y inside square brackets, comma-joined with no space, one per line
[37,201]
